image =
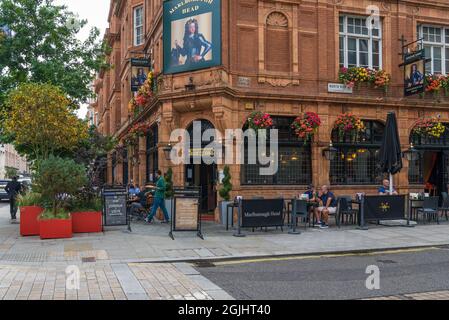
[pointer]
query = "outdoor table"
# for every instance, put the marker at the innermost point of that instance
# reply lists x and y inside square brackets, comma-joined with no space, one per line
[309,205]
[230,205]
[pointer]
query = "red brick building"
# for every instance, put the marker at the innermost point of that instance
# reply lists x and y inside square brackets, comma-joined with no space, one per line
[279,57]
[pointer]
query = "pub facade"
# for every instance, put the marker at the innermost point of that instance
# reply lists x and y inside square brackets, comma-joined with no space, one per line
[283,58]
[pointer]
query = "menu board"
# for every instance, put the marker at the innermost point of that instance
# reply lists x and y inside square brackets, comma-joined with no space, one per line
[115,207]
[186,217]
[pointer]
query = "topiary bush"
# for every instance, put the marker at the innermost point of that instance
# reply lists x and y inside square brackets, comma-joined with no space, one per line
[169,184]
[227,185]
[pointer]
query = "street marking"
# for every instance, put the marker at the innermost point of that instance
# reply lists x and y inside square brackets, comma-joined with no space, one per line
[335,255]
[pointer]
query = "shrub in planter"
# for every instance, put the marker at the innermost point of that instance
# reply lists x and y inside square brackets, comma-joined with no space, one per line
[169,191]
[87,216]
[225,194]
[58,179]
[30,205]
[53,226]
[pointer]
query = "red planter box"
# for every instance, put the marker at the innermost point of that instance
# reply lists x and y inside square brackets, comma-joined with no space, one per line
[29,222]
[87,222]
[55,228]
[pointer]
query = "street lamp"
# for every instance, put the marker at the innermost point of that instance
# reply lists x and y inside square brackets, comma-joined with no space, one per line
[330,152]
[411,154]
[167,151]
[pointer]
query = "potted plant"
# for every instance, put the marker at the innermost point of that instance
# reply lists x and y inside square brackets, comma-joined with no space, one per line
[306,126]
[259,122]
[169,191]
[57,180]
[225,194]
[357,75]
[30,205]
[348,125]
[86,212]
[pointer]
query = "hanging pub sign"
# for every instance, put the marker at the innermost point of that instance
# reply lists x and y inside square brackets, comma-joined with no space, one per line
[140,68]
[192,35]
[414,72]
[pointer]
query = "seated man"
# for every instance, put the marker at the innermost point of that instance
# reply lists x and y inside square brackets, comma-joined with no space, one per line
[132,191]
[312,197]
[328,205]
[141,202]
[385,188]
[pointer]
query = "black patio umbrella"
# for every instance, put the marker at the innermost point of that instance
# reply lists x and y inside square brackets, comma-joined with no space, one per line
[390,155]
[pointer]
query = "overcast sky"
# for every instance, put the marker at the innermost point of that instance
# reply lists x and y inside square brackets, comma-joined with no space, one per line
[96,13]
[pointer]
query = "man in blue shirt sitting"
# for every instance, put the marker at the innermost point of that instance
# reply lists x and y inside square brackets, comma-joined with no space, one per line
[385,188]
[328,205]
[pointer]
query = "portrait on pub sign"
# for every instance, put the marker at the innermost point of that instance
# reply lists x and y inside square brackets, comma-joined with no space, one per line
[192,35]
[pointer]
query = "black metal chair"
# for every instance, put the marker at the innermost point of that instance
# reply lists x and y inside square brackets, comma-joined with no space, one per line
[429,209]
[444,205]
[345,210]
[301,209]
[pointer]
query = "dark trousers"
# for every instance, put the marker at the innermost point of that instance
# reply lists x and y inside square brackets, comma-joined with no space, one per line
[13,207]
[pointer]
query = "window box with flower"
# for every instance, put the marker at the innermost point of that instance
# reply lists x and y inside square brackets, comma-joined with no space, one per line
[435,84]
[355,76]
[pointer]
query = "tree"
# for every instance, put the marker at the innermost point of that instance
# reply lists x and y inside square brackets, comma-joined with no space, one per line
[42,47]
[227,186]
[58,178]
[41,122]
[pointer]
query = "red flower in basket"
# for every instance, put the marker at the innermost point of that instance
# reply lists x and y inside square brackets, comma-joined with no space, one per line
[306,125]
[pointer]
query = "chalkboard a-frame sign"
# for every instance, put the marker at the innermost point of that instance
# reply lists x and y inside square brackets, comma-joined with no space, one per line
[114,207]
[186,214]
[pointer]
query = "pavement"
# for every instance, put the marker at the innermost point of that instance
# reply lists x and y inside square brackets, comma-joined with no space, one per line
[148,258]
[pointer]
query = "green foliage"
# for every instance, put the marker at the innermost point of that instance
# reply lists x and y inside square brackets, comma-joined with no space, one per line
[57,179]
[40,121]
[30,199]
[81,204]
[169,184]
[227,185]
[45,48]
[10,172]
[49,215]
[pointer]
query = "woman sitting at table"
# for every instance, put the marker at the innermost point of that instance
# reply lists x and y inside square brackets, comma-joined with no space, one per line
[312,197]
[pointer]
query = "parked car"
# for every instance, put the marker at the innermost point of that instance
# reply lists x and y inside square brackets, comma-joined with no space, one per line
[3,193]
[26,184]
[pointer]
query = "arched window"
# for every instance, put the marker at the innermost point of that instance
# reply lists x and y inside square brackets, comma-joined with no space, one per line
[151,153]
[356,160]
[277,43]
[294,159]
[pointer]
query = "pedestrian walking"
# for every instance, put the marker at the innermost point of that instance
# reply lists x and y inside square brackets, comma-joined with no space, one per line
[13,188]
[159,198]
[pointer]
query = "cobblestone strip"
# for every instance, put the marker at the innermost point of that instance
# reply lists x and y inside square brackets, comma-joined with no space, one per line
[432,295]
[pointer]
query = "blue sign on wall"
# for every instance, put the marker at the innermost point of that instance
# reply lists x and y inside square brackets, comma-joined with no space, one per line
[192,35]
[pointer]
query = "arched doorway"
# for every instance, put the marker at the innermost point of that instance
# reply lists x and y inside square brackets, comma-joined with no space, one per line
[198,173]
[430,170]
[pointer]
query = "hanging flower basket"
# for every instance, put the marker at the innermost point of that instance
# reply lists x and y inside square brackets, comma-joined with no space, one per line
[306,126]
[136,131]
[356,75]
[429,127]
[348,124]
[259,121]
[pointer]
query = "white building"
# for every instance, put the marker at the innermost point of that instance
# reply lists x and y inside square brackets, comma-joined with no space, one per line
[10,158]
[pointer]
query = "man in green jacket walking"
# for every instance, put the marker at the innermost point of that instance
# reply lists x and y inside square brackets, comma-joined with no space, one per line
[159,198]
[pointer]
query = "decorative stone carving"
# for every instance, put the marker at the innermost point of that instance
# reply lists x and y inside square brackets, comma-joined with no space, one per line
[277,19]
[279,82]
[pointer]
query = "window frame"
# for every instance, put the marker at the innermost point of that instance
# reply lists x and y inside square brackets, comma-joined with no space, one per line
[443,45]
[290,143]
[136,27]
[345,147]
[370,37]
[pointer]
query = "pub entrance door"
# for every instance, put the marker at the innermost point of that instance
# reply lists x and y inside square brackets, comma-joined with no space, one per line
[435,171]
[198,173]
